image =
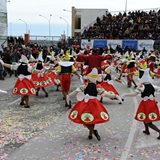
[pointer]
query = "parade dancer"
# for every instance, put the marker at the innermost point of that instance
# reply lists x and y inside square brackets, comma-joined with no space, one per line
[151,61]
[94,60]
[64,70]
[88,110]
[41,80]
[24,85]
[131,68]
[148,111]
[107,83]
[122,62]
[53,63]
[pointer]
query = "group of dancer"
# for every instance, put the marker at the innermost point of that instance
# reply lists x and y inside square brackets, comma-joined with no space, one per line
[97,82]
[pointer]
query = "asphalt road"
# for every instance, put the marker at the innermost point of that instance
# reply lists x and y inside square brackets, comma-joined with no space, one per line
[44,132]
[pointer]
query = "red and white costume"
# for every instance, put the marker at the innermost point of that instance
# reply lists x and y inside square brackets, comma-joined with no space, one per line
[94,60]
[148,110]
[41,79]
[107,83]
[24,84]
[88,110]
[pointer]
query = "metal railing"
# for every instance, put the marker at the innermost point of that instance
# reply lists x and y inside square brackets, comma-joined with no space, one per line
[45,40]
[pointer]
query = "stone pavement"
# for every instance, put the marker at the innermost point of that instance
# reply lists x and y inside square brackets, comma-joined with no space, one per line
[44,132]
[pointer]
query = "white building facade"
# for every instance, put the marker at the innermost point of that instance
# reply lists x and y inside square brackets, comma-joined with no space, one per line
[82,18]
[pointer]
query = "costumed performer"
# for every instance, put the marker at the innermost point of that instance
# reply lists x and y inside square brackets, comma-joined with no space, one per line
[131,68]
[53,63]
[88,110]
[94,60]
[65,69]
[24,85]
[148,111]
[107,84]
[151,61]
[41,80]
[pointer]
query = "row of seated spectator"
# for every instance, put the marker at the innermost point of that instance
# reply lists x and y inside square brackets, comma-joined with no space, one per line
[131,25]
[15,40]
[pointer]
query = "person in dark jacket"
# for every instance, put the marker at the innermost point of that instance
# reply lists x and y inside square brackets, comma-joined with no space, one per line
[6,59]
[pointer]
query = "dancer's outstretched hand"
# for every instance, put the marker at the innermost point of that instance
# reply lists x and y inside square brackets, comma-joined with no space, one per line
[81,79]
[1,91]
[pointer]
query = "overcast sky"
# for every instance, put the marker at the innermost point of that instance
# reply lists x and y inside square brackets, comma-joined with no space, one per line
[29,10]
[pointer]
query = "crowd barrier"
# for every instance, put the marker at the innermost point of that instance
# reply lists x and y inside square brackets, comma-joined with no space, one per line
[136,44]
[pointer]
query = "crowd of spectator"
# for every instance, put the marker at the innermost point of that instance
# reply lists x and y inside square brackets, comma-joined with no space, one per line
[13,51]
[131,25]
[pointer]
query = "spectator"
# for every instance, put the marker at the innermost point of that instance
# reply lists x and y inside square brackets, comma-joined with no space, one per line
[7,59]
[1,69]
[134,25]
[28,52]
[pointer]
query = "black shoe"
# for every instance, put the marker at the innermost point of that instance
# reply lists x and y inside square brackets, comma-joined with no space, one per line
[97,135]
[22,103]
[158,137]
[2,78]
[66,105]
[36,93]
[90,137]
[146,132]
[70,105]
[63,98]
[46,94]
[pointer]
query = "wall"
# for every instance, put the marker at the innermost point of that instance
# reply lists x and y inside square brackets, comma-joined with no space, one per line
[87,16]
[137,44]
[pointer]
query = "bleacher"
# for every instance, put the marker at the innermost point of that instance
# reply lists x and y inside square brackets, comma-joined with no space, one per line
[132,25]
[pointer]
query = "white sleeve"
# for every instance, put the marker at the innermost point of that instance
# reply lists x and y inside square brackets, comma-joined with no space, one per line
[81,88]
[31,68]
[15,66]
[157,88]
[140,88]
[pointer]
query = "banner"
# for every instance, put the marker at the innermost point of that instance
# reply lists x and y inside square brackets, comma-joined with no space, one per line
[100,43]
[86,42]
[136,44]
[130,44]
[148,44]
[3,21]
[114,43]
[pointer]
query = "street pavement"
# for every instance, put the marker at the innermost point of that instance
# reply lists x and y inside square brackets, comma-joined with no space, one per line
[44,132]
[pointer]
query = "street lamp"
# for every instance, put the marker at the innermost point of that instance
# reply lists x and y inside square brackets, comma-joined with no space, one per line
[25,23]
[126,7]
[71,18]
[49,20]
[67,10]
[67,25]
